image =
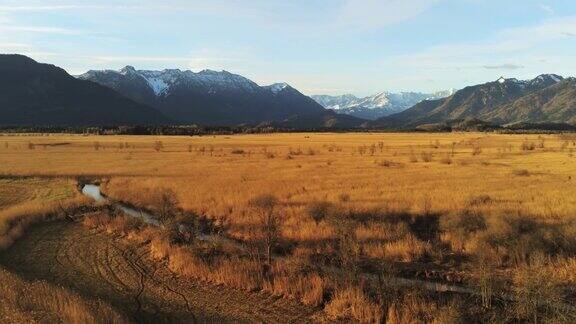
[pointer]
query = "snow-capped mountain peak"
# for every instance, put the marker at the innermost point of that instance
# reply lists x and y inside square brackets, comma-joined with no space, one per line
[127,70]
[277,87]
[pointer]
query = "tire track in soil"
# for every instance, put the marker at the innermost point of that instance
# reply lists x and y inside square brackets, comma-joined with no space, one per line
[100,265]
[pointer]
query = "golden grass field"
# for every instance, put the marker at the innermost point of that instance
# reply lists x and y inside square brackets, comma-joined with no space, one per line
[477,210]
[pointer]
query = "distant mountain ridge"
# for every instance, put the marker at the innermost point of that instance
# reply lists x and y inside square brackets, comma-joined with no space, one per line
[209,97]
[548,98]
[376,106]
[32,93]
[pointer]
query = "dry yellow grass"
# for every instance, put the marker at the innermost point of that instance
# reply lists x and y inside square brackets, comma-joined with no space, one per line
[214,181]
[408,197]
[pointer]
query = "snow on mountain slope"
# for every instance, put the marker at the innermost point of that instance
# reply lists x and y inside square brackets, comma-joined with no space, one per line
[161,82]
[277,87]
[376,106]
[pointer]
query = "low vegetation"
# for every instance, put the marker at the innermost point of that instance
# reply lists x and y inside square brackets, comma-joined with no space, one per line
[360,226]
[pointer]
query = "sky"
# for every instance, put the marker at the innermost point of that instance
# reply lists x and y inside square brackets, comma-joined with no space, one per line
[332,47]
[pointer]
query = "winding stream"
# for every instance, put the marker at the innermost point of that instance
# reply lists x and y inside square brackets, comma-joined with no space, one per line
[93,191]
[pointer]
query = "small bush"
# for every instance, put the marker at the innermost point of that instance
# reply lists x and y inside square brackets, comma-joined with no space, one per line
[527,146]
[426,156]
[158,146]
[446,160]
[521,173]
[344,197]
[319,210]
[269,155]
[480,200]
[476,149]
[460,226]
[389,164]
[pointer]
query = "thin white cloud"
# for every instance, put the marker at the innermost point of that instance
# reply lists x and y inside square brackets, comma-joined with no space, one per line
[505,66]
[11,45]
[38,8]
[39,30]
[475,54]
[378,13]
[127,59]
[548,9]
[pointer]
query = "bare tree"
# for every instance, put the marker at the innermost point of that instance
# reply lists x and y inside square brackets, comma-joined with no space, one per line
[167,206]
[270,222]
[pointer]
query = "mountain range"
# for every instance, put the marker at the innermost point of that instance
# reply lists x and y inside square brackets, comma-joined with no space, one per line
[213,98]
[376,106]
[548,98]
[33,93]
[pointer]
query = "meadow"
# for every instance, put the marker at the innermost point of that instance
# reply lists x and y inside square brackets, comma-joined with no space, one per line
[394,227]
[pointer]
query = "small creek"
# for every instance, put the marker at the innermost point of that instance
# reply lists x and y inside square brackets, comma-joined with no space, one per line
[93,191]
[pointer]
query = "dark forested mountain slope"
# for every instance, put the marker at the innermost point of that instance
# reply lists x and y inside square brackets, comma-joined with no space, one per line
[40,94]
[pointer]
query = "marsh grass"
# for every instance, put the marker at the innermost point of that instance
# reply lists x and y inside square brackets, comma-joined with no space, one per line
[422,218]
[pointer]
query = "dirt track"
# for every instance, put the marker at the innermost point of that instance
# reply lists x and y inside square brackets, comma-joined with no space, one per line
[98,265]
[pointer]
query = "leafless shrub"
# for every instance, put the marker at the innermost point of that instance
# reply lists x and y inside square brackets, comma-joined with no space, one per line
[297,151]
[412,156]
[426,156]
[521,173]
[158,146]
[446,159]
[319,210]
[541,142]
[269,155]
[344,197]
[461,225]
[167,206]
[480,200]
[476,149]
[527,146]
[389,164]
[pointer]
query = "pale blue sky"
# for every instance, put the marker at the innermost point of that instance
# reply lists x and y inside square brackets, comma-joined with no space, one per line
[318,46]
